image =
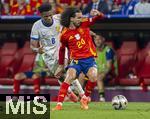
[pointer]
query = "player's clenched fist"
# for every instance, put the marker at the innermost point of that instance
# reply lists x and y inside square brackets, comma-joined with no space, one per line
[95,12]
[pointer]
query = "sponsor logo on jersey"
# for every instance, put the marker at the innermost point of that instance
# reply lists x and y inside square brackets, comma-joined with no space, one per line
[71,37]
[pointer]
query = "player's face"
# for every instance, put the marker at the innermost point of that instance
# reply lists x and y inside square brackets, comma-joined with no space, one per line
[47,16]
[99,41]
[77,19]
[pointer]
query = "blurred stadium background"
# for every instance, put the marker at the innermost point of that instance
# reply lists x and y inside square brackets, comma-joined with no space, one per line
[127,32]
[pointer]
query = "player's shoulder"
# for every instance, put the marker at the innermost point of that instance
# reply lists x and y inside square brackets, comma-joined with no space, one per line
[85,19]
[64,31]
[37,23]
[56,17]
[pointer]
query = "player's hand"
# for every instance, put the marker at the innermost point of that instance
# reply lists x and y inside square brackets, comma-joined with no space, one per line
[59,71]
[95,12]
[41,50]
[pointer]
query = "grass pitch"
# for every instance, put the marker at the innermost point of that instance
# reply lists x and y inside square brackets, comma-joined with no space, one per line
[98,110]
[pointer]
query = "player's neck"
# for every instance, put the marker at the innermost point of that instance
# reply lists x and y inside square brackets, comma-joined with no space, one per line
[72,26]
[47,24]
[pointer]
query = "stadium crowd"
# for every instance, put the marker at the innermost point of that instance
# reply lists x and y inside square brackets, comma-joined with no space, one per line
[120,7]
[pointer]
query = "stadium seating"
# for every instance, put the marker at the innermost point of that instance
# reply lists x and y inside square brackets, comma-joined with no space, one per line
[128,47]
[129,81]
[13,61]
[26,49]
[51,81]
[127,59]
[144,72]
[126,65]
[147,81]
[20,60]
[9,49]
[110,43]
[143,64]
[5,62]
[6,81]
[18,57]
[27,63]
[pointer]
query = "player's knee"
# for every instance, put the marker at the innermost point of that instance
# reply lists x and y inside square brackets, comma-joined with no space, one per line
[92,74]
[35,76]
[93,78]
[70,77]
[71,74]
[99,80]
[19,76]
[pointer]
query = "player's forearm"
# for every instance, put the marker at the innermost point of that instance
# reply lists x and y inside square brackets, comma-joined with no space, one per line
[34,45]
[34,49]
[37,49]
[97,17]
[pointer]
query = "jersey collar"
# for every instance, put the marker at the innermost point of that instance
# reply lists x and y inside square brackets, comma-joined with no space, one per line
[46,24]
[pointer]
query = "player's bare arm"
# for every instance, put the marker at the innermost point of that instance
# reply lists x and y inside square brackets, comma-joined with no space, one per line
[95,12]
[35,46]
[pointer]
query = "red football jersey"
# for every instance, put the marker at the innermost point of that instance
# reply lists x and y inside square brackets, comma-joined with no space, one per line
[78,41]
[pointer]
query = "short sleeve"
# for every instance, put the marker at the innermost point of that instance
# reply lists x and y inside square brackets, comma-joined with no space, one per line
[34,32]
[110,54]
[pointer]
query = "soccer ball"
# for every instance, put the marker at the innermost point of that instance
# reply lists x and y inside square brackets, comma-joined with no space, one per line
[119,102]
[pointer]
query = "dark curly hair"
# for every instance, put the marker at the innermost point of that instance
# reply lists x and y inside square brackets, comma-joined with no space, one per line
[67,14]
[45,7]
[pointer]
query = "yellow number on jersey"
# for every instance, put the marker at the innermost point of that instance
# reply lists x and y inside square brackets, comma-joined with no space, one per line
[80,43]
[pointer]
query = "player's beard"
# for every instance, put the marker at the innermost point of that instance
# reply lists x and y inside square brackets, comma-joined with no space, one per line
[49,21]
[77,24]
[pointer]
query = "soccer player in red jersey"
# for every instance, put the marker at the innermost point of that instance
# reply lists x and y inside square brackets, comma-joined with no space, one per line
[76,37]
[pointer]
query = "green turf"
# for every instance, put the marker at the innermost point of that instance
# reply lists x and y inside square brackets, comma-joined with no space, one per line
[101,111]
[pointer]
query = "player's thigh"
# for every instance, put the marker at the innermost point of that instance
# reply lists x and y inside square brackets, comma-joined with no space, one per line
[92,73]
[70,75]
[20,76]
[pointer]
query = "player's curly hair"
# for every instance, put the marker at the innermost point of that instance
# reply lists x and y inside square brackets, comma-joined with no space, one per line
[67,14]
[45,7]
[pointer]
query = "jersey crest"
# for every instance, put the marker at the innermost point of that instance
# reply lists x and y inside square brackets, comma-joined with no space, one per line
[77,36]
[58,28]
